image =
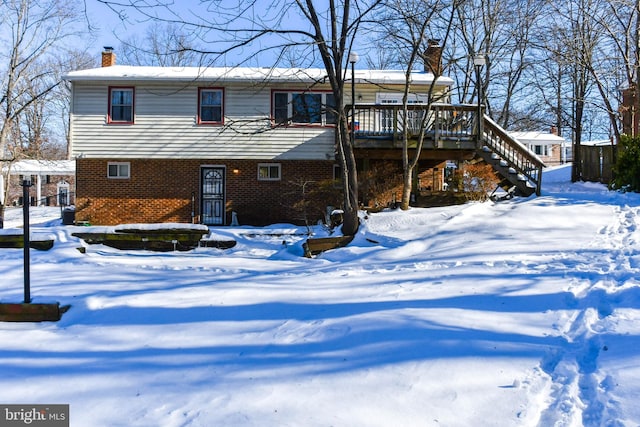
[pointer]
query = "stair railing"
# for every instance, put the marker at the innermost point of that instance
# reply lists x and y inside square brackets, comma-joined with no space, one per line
[523,161]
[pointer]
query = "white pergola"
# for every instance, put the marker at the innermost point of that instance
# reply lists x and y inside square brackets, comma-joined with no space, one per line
[39,169]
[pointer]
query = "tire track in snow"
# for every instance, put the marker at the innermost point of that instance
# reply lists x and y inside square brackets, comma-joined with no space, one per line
[580,392]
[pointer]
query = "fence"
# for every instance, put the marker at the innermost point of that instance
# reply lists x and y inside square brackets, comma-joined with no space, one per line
[597,163]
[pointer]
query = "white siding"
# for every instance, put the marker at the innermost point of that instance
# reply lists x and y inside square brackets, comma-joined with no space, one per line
[165,123]
[165,127]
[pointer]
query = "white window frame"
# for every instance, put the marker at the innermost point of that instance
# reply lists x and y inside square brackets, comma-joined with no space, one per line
[386,119]
[63,186]
[544,149]
[396,98]
[269,166]
[121,172]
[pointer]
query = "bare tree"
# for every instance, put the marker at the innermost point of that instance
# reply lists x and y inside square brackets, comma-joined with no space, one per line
[412,28]
[60,99]
[243,31]
[31,32]
[617,58]
[500,30]
[163,45]
[576,35]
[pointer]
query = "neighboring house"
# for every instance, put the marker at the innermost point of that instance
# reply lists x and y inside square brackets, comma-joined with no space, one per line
[210,145]
[549,147]
[52,182]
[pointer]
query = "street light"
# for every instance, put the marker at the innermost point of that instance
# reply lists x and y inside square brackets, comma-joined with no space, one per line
[479,61]
[353,58]
[26,183]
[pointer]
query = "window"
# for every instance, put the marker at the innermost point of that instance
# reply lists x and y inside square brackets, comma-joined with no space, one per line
[388,118]
[337,176]
[269,172]
[541,150]
[118,170]
[304,108]
[121,105]
[210,109]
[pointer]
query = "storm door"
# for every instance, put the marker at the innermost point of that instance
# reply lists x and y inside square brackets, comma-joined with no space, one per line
[212,195]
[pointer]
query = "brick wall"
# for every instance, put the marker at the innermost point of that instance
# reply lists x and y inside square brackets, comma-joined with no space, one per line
[161,191]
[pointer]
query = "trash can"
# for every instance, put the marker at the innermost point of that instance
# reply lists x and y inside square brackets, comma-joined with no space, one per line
[68,216]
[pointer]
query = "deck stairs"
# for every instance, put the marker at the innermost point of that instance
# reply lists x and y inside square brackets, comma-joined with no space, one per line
[453,128]
[519,168]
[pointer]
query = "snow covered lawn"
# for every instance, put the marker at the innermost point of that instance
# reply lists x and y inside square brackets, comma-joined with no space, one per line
[519,313]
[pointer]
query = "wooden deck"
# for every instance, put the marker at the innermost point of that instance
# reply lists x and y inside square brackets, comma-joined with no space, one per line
[449,132]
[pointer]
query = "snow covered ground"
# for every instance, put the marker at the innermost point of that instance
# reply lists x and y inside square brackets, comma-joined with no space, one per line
[519,313]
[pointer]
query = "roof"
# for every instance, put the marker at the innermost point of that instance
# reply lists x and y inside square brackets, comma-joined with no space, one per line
[538,138]
[44,167]
[243,74]
[598,143]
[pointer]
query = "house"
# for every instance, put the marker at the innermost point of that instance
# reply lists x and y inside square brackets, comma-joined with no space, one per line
[156,144]
[549,147]
[52,182]
[216,145]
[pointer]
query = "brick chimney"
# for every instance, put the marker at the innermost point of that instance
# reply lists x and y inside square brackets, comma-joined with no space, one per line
[553,130]
[108,57]
[433,57]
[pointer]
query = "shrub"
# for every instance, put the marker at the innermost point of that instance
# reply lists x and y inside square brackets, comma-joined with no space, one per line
[311,200]
[478,180]
[627,167]
[380,183]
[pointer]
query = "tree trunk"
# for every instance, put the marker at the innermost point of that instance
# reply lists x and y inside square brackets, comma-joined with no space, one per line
[407,186]
[347,160]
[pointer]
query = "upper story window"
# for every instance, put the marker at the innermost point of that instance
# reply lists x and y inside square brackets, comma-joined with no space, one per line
[121,105]
[316,108]
[210,103]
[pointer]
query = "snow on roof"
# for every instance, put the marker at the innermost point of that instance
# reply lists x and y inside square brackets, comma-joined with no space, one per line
[597,143]
[243,74]
[537,138]
[44,167]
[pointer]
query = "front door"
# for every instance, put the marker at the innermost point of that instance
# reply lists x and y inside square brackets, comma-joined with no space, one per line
[212,195]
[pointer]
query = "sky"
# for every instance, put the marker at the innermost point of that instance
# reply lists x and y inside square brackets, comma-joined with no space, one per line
[119,23]
[109,28]
[264,52]
[524,312]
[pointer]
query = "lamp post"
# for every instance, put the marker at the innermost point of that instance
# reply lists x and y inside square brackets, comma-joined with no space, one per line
[26,239]
[479,61]
[353,58]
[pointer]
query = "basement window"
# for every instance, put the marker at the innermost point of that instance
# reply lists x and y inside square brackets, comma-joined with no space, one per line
[269,172]
[118,170]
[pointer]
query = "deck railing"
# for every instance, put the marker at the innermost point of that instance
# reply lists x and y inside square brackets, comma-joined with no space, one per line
[387,121]
[383,124]
[517,156]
